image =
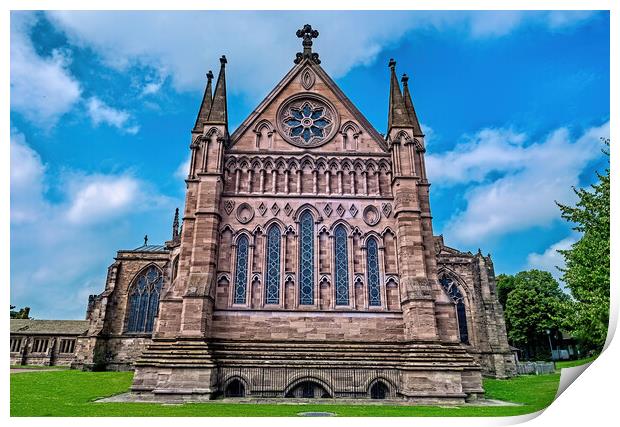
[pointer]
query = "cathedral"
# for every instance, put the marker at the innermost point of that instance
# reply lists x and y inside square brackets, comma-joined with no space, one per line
[303,263]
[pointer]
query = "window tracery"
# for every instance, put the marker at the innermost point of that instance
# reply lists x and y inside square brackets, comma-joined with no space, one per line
[306,259]
[341,257]
[144,300]
[241,270]
[272,278]
[372,265]
[451,288]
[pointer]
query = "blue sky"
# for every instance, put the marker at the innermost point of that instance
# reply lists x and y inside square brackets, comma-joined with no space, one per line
[102,104]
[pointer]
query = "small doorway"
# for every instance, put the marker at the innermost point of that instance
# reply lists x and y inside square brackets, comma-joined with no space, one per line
[235,388]
[379,390]
[308,390]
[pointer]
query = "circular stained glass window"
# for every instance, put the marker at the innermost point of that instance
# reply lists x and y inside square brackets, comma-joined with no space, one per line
[307,120]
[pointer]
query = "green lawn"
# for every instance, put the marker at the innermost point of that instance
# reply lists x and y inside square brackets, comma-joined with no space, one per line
[71,393]
[573,363]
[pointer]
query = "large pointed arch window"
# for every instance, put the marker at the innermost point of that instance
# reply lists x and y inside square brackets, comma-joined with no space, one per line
[306,259]
[457,298]
[341,258]
[272,278]
[372,265]
[241,270]
[144,300]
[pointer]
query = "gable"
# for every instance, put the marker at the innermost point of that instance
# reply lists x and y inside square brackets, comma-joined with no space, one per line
[307,112]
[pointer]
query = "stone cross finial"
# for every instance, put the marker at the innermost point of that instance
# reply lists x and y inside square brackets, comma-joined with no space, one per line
[146,239]
[307,33]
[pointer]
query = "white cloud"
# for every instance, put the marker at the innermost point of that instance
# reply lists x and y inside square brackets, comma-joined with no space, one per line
[100,112]
[551,259]
[102,197]
[531,178]
[488,151]
[183,169]
[27,186]
[192,41]
[493,23]
[60,249]
[153,85]
[42,89]
[557,19]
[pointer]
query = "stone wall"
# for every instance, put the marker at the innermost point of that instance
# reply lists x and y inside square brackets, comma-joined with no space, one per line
[296,326]
[58,350]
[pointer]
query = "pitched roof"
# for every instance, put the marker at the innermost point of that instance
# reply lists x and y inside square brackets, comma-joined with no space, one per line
[149,248]
[293,72]
[48,327]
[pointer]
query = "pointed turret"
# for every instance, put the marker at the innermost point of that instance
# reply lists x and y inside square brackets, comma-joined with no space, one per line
[175,225]
[413,117]
[219,111]
[205,106]
[397,116]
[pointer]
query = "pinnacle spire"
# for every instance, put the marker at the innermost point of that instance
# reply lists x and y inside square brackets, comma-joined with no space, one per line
[175,225]
[205,106]
[413,117]
[397,114]
[219,111]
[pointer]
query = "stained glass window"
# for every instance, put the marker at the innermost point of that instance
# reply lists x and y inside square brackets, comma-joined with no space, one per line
[241,270]
[455,294]
[272,279]
[307,121]
[144,300]
[374,287]
[306,259]
[342,265]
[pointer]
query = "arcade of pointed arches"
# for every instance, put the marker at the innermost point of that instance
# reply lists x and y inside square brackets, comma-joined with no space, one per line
[258,174]
[308,387]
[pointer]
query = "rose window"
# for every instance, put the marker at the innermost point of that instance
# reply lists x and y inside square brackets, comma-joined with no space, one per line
[307,121]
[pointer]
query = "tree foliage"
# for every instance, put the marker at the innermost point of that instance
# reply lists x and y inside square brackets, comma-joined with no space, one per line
[23,313]
[586,273]
[505,284]
[535,304]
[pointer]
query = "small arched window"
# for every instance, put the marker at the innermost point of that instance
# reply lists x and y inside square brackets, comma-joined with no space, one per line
[241,270]
[306,259]
[342,265]
[372,264]
[454,293]
[144,300]
[272,278]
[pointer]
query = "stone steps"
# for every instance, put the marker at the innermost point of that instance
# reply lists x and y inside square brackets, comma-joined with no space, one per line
[289,354]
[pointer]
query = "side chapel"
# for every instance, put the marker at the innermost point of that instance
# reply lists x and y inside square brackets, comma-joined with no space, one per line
[305,265]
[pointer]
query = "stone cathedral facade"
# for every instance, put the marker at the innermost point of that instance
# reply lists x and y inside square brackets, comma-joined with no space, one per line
[305,265]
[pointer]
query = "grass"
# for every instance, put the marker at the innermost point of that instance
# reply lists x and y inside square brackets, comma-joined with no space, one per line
[71,393]
[573,363]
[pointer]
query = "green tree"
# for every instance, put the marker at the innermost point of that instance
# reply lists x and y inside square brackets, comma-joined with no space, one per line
[586,273]
[23,313]
[505,284]
[535,305]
